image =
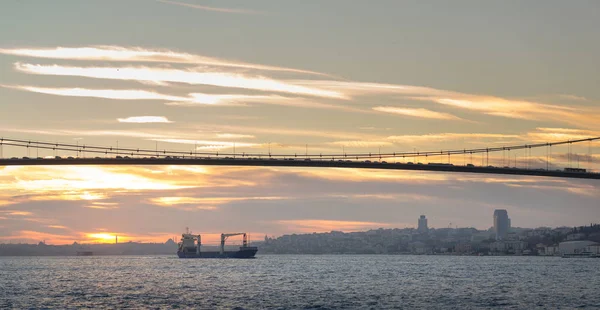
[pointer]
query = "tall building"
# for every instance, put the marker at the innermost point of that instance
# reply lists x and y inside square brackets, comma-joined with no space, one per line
[501,223]
[422,224]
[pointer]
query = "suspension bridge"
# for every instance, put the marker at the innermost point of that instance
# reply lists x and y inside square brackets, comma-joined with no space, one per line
[477,160]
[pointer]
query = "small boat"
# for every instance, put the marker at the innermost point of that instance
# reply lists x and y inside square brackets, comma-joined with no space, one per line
[581,255]
[190,247]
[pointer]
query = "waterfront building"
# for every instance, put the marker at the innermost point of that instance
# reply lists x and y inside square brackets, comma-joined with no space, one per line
[508,246]
[594,248]
[463,248]
[501,223]
[575,247]
[422,227]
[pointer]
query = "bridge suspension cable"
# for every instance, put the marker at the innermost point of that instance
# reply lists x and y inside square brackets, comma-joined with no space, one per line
[128,151]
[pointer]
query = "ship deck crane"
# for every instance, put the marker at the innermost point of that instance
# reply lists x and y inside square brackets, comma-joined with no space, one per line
[225,236]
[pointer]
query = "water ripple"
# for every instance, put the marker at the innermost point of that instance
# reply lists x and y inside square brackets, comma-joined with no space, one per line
[300,282]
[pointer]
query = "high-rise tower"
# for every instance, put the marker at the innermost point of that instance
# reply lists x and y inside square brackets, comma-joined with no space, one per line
[501,223]
[422,224]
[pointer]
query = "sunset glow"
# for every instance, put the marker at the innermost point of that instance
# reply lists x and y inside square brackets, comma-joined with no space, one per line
[267,81]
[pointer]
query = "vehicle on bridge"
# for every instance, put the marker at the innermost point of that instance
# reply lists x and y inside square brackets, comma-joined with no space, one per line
[575,170]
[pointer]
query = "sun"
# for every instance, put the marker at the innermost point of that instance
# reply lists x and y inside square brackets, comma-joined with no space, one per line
[102,237]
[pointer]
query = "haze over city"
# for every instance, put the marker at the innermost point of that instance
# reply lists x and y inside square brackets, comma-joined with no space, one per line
[262,76]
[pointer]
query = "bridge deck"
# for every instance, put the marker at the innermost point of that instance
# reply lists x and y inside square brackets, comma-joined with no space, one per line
[298,162]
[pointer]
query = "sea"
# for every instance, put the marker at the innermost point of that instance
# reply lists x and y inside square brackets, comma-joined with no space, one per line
[300,282]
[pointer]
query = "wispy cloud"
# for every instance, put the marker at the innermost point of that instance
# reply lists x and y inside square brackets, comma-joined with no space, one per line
[210,144]
[139,54]
[192,99]
[144,119]
[489,105]
[449,136]
[203,203]
[422,113]
[234,136]
[520,109]
[572,97]
[103,205]
[361,144]
[159,75]
[18,213]
[544,134]
[57,226]
[329,89]
[126,94]
[210,8]
[220,99]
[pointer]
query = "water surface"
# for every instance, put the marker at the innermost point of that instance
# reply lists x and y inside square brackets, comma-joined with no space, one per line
[300,282]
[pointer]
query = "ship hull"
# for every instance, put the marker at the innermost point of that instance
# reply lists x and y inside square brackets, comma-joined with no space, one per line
[247,253]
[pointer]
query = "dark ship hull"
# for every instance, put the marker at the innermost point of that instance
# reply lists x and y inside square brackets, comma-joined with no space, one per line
[242,253]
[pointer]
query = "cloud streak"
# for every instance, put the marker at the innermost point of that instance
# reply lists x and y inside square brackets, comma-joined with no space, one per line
[191,100]
[160,75]
[125,94]
[328,89]
[234,136]
[489,105]
[210,8]
[144,119]
[210,144]
[421,113]
[138,54]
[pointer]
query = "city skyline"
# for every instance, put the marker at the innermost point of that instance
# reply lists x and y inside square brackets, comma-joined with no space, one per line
[262,76]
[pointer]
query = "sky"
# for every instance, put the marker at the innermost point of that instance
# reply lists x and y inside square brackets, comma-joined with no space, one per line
[293,77]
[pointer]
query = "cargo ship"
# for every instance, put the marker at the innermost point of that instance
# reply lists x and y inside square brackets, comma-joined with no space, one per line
[190,247]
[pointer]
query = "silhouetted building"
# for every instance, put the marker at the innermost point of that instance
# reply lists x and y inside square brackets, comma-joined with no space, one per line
[501,223]
[422,224]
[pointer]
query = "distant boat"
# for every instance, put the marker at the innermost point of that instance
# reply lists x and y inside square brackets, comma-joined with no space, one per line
[190,247]
[85,253]
[581,255]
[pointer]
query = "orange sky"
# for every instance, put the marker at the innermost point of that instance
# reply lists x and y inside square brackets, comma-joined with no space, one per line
[262,77]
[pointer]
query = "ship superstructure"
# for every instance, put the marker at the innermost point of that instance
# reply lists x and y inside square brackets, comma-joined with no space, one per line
[191,247]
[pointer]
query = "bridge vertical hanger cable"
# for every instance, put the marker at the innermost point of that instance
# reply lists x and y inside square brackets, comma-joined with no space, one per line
[528,150]
[569,154]
[589,165]
[547,157]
